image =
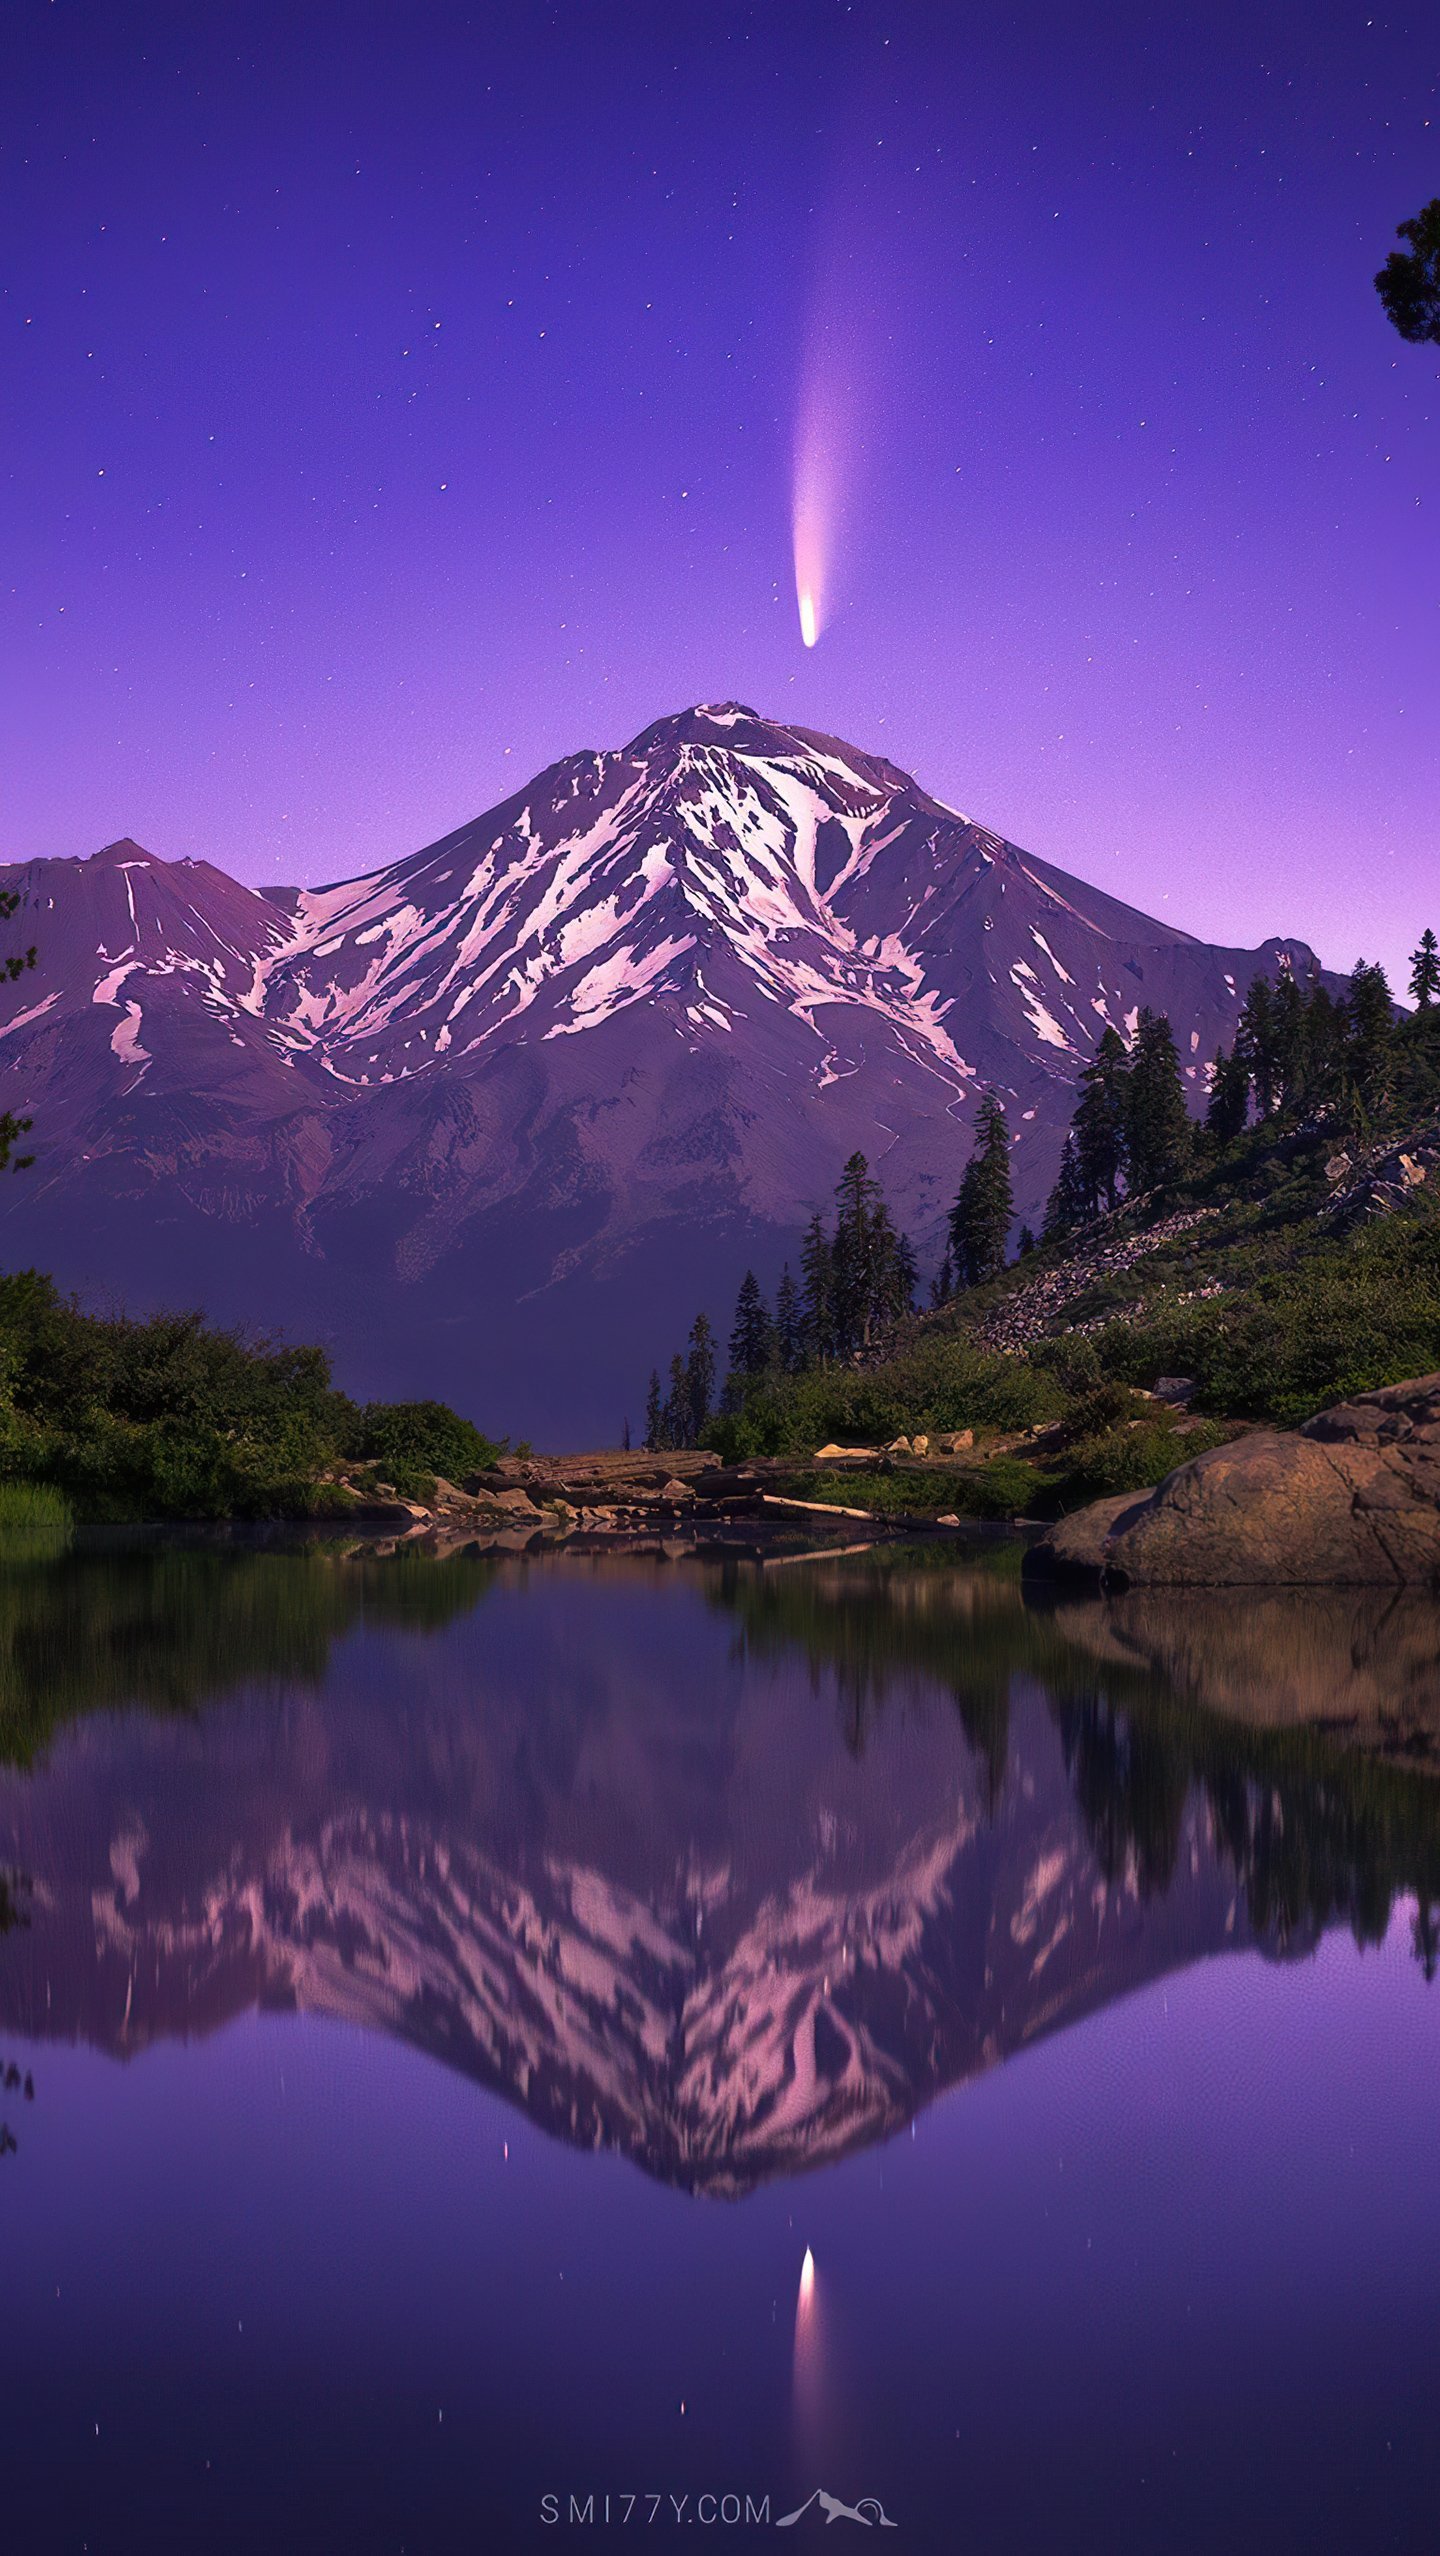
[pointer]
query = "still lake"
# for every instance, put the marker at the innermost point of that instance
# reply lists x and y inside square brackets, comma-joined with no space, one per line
[442,2001]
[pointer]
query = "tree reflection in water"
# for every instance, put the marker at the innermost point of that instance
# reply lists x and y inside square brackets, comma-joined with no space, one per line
[732,1867]
[171,1629]
[14,1888]
[1307,1722]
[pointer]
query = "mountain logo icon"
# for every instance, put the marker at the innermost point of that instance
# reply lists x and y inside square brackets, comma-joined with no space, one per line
[869,2511]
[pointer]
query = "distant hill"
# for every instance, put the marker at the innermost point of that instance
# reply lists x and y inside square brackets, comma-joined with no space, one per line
[490,1120]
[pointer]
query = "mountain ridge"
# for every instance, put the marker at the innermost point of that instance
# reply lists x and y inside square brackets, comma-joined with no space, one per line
[588,1054]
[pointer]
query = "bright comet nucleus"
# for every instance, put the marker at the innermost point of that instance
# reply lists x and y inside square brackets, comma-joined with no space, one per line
[811,546]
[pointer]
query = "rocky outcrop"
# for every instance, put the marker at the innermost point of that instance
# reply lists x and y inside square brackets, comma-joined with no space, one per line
[1384,1179]
[1032,1312]
[1352,1500]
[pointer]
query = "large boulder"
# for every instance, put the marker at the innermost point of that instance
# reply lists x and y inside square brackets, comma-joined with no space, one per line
[1351,1500]
[1077,1547]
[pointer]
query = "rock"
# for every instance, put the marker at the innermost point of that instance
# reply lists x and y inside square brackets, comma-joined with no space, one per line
[1352,1500]
[1078,1547]
[1176,1390]
[1336,1168]
[899,1446]
[949,1519]
[1380,1183]
[676,1490]
[401,1513]
[920,1446]
[845,1455]
[953,1442]
[1031,1311]
[516,1504]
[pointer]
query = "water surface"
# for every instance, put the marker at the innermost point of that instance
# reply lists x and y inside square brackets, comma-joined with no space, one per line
[457,1993]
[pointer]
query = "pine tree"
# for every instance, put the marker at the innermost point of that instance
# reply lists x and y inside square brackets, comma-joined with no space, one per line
[862,1239]
[888,1283]
[1157,1123]
[1288,1024]
[905,1279]
[980,1217]
[1425,971]
[1229,1103]
[1098,1125]
[1369,1033]
[1026,1244]
[1409,281]
[699,1378]
[1067,1205]
[1255,1043]
[942,1285]
[752,1337]
[625,1439]
[817,1313]
[654,1413]
[789,1327]
[1324,1046]
[675,1421]
[962,1227]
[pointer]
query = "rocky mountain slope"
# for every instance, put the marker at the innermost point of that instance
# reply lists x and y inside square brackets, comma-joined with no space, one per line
[492,1120]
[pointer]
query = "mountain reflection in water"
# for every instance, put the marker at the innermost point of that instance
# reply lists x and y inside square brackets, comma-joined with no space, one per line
[732,1869]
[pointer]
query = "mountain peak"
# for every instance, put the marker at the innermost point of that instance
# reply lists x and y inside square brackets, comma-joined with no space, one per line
[125,850]
[731,724]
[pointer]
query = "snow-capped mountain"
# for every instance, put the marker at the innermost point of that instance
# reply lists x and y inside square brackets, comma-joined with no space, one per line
[494,1119]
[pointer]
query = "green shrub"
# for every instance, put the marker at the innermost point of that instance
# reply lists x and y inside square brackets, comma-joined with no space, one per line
[171,1419]
[937,1383]
[1102,1411]
[1298,1328]
[1073,1361]
[1131,1459]
[421,1439]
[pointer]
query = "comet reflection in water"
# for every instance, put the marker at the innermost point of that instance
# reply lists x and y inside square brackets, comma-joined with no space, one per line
[809,2371]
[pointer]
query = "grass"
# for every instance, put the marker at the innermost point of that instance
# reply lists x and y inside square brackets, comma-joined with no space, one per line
[1003,1488]
[33,1504]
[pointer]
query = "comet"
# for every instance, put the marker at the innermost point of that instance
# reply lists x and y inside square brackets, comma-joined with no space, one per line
[832,401]
[815,507]
[858,289]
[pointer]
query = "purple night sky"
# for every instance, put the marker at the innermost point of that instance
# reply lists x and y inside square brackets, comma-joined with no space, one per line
[396,399]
